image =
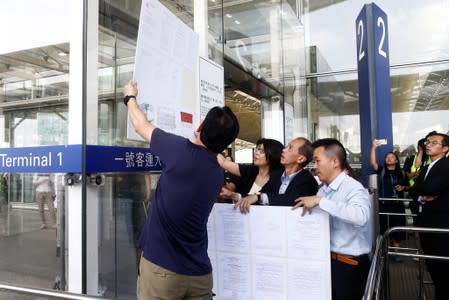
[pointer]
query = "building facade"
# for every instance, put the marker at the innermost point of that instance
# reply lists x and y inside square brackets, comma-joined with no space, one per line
[290,70]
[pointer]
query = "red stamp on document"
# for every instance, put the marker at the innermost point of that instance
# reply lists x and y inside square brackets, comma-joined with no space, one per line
[186,117]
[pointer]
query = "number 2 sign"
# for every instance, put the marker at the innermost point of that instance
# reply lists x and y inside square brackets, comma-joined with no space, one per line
[380,36]
[373,68]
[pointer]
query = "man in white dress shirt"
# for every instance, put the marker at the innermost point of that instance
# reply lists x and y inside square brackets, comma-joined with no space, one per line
[348,205]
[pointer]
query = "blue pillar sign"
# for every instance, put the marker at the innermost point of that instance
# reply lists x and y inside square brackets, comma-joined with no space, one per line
[374,83]
[68,159]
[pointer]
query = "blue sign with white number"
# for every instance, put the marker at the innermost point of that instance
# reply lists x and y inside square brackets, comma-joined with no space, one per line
[68,159]
[374,83]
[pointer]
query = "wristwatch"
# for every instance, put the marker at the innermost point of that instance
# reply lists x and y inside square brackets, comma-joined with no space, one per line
[127,98]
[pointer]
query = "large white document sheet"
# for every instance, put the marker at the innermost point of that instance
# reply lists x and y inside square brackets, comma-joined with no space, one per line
[165,70]
[270,253]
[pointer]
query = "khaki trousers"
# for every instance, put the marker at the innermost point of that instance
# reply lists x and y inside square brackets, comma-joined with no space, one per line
[156,282]
[46,197]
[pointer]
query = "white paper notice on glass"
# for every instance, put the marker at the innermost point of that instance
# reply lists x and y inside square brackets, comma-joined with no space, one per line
[211,86]
[165,70]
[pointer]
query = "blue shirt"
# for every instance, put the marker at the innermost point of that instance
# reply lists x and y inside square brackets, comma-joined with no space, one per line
[348,205]
[285,181]
[175,233]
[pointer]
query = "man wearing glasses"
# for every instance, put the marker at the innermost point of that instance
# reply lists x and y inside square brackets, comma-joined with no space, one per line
[431,190]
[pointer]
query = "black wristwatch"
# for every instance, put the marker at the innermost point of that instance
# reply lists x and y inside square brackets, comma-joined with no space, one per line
[127,98]
[259,198]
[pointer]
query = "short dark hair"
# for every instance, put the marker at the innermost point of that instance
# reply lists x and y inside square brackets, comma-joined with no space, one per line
[334,147]
[306,149]
[219,128]
[273,151]
[444,140]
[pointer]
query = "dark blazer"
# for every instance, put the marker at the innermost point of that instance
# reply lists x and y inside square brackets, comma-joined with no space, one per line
[434,213]
[303,184]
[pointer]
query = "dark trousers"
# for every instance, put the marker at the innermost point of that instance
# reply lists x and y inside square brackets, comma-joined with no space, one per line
[348,282]
[437,244]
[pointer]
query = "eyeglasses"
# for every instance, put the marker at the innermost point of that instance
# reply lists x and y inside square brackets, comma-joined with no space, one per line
[433,143]
[260,150]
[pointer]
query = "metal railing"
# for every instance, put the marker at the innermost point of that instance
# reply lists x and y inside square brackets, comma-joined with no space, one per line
[388,214]
[378,273]
[47,293]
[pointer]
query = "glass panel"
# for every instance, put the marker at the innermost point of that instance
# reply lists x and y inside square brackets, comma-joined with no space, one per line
[31,243]
[418,31]
[253,37]
[215,39]
[124,203]
[418,93]
[293,59]
[125,197]
[34,68]
[254,76]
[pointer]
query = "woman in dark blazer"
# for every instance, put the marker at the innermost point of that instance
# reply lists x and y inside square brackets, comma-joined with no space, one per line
[250,178]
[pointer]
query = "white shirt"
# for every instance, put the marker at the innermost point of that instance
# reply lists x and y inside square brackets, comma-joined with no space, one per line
[43,183]
[348,205]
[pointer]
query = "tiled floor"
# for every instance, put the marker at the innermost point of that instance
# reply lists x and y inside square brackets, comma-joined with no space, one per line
[404,277]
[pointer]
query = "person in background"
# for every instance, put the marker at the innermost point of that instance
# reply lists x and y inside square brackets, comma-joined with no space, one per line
[348,169]
[133,195]
[422,159]
[227,153]
[408,162]
[44,191]
[349,208]
[392,183]
[174,262]
[285,185]
[431,191]
[252,177]
[231,181]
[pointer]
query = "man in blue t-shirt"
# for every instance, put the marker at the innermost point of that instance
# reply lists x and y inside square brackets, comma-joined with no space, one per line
[174,263]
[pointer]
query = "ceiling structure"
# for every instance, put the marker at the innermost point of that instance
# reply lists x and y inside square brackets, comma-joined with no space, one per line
[414,92]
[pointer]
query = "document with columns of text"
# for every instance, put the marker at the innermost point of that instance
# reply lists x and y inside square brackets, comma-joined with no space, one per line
[270,253]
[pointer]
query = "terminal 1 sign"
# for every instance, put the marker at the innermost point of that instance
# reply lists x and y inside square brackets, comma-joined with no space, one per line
[69,159]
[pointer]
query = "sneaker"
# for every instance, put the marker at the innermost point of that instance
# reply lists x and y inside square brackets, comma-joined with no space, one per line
[43,226]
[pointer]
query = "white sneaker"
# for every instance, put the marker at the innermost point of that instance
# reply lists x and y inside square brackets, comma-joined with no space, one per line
[43,226]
